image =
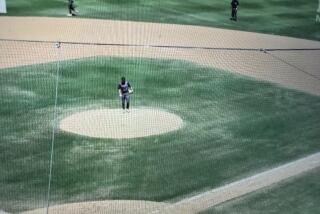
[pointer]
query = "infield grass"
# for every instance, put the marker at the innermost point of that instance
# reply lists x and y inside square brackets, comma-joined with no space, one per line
[298,195]
[282,17]
[234,127]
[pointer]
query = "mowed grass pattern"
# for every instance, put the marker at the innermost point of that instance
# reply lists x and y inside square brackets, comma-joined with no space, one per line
[234,126]
[281,17]
[297,195]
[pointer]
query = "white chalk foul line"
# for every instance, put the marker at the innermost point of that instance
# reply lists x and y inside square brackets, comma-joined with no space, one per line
[239,188]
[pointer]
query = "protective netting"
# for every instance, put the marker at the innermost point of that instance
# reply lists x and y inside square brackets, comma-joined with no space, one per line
[243,110]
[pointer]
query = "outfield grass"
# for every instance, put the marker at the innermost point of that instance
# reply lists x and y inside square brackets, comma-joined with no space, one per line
[235,126]
[282,17]
[298,195]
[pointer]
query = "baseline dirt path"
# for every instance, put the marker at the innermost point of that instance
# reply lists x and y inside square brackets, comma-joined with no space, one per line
[239,188]
[97,207]
[143,37]
[167,41]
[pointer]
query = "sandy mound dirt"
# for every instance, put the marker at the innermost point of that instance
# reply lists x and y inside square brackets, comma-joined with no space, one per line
[110,207]
[116,124]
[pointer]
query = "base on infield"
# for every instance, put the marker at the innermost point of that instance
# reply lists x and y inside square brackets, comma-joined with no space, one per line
[117,124]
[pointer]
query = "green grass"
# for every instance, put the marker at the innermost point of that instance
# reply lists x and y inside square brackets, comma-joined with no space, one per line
[298,195]
[282,17]
[235,126]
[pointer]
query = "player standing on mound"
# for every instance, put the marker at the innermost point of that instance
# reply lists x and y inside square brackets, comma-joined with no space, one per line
[125,90]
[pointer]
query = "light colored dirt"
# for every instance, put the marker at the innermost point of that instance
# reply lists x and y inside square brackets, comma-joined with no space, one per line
[255,64]
[139,33]
[115,124]
[259,65]
[110,207]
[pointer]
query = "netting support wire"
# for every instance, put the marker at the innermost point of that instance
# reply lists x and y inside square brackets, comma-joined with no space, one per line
[54,124]
[163,46]
[291,65]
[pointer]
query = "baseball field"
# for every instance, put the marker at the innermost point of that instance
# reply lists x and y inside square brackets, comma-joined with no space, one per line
[280,17]
[221,121]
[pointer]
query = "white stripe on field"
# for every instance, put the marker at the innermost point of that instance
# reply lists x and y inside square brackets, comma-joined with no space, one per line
[239,188]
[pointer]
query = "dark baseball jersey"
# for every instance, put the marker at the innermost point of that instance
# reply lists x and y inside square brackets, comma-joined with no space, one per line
[124,87]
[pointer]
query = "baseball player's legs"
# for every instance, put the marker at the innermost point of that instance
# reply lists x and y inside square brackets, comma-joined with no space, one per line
[235,14]
[232,13]
[72,8]
[123,101]
[127,97]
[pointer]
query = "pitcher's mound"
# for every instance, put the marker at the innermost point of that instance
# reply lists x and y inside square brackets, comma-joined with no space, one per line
[114,123]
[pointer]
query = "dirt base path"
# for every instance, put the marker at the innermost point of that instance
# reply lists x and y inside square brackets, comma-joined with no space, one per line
[224,49]
[239,188]
[96,207]
[200,45]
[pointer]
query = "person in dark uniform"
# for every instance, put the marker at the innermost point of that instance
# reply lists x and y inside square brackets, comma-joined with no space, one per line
[234,10]
[125,90]
[72,8]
